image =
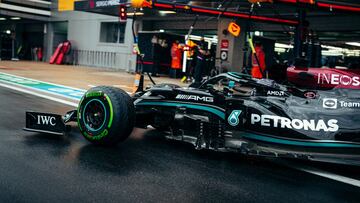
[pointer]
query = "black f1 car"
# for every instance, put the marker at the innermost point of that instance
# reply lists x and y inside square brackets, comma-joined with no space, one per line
[229,112]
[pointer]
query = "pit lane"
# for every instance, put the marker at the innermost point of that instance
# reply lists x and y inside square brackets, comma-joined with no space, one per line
[147,167]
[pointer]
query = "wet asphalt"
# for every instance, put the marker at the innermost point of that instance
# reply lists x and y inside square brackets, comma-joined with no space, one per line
[145,168]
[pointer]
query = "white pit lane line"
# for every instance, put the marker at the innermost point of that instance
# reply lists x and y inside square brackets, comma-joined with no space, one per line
[329,175]
[27,91]
[313,171]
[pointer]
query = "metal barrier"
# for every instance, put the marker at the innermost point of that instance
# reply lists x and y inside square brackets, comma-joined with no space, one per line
[113,60]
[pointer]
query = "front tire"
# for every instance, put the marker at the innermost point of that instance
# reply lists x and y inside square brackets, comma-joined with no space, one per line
[106,115]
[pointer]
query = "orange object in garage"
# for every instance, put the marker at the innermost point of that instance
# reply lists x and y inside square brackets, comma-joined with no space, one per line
[234,29]
[258,68]
[176,56]
[190,45]
[39,53]
[307,1]
[141,3]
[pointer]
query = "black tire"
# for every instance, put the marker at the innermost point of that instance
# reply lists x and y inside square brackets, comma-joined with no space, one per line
[106,115]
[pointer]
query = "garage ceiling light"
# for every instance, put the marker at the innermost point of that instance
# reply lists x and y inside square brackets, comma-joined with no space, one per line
[208,39]
[2,18]
[15,18]
[280,50]
[327,50]
[284,46]
[338,51]
[331,47]
[137,13]
[41,1]
[167,12]
[356,44]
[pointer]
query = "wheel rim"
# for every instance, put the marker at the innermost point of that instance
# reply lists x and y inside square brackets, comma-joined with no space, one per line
[94,115]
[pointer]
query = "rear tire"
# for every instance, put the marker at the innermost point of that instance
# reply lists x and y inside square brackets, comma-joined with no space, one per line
[106,115]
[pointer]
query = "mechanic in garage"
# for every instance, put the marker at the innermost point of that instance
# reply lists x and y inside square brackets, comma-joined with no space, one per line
[202,53]
[258,64]
[156,49]
[176,58]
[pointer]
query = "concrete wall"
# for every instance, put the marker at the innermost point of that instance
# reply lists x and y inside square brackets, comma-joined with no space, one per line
[83,30]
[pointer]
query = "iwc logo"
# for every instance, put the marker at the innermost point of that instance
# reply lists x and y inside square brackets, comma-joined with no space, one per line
[233,118]
[46,120]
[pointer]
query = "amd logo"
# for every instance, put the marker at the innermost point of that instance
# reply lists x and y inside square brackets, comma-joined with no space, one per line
[338,79]
[275,93]
[46,120]
[195,98]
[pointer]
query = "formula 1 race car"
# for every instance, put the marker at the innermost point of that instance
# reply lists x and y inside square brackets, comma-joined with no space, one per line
[229,112]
